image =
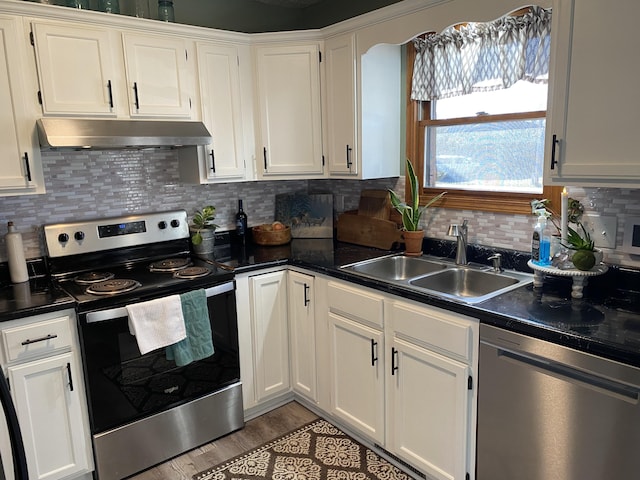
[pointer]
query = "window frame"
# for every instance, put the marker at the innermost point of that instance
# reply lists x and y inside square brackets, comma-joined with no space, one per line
[500,202]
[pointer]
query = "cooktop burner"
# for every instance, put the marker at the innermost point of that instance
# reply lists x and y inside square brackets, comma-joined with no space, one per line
[93,277]
[113,286]
[192,272]
[170,265]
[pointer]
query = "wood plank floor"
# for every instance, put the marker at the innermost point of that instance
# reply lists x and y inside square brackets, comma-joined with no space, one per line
[256,432]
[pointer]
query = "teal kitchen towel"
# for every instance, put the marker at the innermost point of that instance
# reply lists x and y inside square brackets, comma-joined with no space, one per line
[199,342]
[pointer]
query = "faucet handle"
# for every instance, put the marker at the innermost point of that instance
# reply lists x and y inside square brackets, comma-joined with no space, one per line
[496,258]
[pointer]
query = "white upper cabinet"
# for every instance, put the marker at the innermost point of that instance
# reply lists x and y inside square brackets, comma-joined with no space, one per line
[157,76]
[110,73]
[363,109]
[594,106]
[288,98]
[20,167]
[81,83]
[220,100]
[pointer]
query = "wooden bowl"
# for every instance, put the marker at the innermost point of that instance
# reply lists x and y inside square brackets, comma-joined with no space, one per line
[266,235]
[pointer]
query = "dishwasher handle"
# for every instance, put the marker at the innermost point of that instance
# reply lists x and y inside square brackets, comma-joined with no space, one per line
[572,375]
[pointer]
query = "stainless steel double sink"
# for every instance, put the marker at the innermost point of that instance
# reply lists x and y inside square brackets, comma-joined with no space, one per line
[441,277]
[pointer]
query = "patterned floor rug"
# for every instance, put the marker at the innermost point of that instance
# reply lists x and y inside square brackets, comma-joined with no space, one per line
[317,451]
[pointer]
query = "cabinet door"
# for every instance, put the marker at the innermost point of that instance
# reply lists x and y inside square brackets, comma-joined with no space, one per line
[76,69]
[357,377]
[50,414]
[341,105]
[20,167]
[270,332]
[429,402]
[303,335]
[288,89]
[219,77]
[593,103]
[157,76]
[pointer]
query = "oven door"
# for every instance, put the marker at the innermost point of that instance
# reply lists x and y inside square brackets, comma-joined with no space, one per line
[124,385]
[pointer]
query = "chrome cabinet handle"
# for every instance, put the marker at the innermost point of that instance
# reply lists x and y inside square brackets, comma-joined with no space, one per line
[41,339]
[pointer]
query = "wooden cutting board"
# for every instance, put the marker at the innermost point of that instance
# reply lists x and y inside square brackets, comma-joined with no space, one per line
[375,204]
[367,231]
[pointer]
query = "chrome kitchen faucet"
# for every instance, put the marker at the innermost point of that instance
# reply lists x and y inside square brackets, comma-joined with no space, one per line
[460,231]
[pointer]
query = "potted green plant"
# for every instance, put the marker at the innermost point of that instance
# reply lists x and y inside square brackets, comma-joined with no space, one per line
[411,212]
[581,249]
[203,230]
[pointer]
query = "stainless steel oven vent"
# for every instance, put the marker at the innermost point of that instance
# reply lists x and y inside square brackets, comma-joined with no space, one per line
[73,133]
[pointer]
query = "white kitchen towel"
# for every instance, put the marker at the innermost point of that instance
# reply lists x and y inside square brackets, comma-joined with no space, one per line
[157,323]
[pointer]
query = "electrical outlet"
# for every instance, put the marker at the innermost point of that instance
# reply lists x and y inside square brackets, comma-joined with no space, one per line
[602,229]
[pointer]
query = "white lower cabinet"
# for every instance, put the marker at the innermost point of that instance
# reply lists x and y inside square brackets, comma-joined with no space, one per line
[302,334]
[430,394]
[43,367]
[356,359]
[402,375]
[261,299]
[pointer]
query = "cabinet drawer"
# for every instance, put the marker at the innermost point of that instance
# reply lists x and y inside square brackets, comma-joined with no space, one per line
[36,339]
[436,329]
[356,304]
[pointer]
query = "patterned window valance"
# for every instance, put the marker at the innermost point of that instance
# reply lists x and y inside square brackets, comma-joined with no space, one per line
[480,57]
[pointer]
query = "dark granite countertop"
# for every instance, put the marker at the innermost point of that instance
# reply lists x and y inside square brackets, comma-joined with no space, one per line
[605,322]
[31,298]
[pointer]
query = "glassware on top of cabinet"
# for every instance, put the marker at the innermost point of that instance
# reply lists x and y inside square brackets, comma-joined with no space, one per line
[109,6]
[165,11]
[80,4]
[141,9]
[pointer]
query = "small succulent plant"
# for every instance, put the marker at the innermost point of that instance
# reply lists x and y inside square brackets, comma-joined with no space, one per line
[203,219]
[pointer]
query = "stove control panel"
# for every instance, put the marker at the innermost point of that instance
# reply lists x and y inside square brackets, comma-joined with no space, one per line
[116,232]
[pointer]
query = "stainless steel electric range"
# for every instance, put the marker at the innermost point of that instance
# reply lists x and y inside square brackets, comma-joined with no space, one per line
[145,409]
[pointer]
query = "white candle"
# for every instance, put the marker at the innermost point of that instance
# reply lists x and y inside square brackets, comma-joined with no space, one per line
[564,222]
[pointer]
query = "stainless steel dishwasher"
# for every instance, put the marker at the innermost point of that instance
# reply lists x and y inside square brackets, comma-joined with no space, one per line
[547,412]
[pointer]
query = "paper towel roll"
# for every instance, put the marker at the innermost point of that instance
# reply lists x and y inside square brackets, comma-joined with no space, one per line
[15,255]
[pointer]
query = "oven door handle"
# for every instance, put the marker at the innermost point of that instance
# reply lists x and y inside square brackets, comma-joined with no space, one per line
[119,312]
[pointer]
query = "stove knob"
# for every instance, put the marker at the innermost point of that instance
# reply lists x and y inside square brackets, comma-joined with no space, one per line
[162,225]
[175,223]
[79,236]
[63,237]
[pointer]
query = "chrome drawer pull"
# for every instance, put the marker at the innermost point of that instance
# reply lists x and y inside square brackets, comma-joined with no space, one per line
[41,339]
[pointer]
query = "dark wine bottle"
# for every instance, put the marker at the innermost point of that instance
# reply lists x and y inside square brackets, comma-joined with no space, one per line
[241,222]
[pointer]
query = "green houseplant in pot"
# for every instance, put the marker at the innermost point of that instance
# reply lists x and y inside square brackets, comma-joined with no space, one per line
[203,230]
[584,257]
[411,212]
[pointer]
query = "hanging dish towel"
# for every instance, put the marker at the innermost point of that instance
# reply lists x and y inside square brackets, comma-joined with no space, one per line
[157,323]
[199,342]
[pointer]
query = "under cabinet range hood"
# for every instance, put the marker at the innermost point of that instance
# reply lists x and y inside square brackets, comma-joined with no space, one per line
[77,133]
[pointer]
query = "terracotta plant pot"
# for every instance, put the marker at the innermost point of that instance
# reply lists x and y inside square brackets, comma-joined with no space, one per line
[413,242]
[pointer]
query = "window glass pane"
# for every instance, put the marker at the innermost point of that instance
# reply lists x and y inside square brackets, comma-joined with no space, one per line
[496,156]
[520,97]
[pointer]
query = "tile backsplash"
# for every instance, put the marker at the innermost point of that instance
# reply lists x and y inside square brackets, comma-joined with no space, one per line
[90,184]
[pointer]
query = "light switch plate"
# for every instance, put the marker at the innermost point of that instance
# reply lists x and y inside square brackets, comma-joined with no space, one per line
[603,229]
